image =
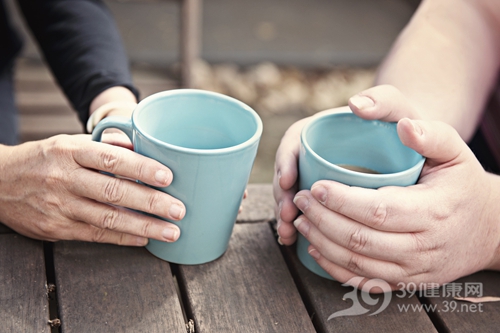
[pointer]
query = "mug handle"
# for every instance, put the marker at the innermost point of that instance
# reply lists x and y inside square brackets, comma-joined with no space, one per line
[122,123]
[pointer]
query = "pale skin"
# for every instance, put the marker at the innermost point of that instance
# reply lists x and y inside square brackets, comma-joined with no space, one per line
[434,83]
[52,189]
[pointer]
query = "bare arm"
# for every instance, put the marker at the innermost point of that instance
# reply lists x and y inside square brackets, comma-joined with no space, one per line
[446,60]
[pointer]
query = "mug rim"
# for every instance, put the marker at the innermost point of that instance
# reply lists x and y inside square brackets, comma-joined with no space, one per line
[334,114]
[188,91]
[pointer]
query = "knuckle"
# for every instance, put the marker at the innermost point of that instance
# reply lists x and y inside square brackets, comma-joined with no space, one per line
[153,202]
[354,263]
[378,215]
[146,229]
[109,160]
[98,235]
[47,228]
[110,219]
[357,241]
[113,191]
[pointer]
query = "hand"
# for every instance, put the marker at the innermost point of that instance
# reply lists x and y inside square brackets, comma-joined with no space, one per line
[53,190]
[285,181]
[390,105]
[442,228]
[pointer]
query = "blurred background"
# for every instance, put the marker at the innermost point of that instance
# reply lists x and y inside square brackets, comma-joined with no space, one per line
[286,58]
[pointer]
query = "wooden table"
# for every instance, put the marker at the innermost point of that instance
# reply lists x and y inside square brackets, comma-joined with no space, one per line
[256,286]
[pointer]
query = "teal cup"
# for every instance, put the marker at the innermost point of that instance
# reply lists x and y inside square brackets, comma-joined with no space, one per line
[209,141]
[356,152]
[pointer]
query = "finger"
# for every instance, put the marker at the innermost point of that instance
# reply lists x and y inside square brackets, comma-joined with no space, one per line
[384,102]
[356,263]
[345,276]
[125,193]
[354,236]
[116,138]
[384,209]
[88,233]
[122,220]
[286,232]
[287,156]
[123,162]
[437,141]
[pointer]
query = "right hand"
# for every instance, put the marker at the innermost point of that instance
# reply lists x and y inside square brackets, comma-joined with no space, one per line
[382,102]
[53,190]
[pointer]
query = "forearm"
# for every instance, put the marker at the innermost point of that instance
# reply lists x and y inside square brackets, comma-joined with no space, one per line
[446,60]
[82,46]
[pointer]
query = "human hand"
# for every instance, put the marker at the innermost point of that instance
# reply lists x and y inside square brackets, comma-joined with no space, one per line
[383,102]
[442,228]
[53,190]
[285,181]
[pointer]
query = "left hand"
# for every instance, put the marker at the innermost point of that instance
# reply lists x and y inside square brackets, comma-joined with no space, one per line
[444,227]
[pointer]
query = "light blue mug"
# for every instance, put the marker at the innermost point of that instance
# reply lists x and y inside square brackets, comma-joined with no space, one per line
[334,139]
[209,141]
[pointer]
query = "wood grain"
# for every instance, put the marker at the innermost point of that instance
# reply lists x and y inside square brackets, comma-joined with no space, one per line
[4,229]
[248,289]
[23,293]
[456,316]
[259,204]
[325,297]
[103,288]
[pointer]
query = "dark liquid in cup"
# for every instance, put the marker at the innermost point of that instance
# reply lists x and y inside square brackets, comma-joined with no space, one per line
[357,168]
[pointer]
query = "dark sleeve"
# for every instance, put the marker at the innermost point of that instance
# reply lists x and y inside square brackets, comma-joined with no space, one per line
[82,45]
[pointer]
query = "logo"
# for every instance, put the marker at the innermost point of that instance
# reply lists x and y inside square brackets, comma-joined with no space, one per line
[359,309]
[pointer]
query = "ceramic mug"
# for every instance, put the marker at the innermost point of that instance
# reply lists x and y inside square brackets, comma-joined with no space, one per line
[209,141]
[333,145]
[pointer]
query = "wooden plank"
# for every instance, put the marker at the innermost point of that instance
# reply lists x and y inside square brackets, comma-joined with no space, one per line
[456,316]
[259,204]
[248,289]
[23,292]
[104,288]
[5,229]
[325,297]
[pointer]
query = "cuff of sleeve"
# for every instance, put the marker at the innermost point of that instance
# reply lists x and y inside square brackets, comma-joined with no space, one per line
[117,107]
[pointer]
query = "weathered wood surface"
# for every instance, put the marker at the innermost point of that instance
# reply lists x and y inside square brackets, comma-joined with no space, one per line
[457,316]
[259,204]
[256,286]
[249,289]
[325,297]
[4,229]
[107,288]
[23,292]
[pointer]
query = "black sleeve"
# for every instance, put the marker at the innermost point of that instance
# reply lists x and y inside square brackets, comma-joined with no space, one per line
[82,45]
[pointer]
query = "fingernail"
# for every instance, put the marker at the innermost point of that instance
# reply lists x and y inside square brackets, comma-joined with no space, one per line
[278,225]
[314,253]
[279,241]
[176,211]
[162,177]
[280,206]
[170,234]
[361,102]
[319,192]
[416,128]
[302,226]
[301,202]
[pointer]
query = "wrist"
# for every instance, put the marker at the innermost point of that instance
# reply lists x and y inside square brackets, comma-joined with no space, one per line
[112,101]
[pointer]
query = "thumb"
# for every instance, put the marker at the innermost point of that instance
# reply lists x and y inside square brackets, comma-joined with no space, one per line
[434,140]
[384,102]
